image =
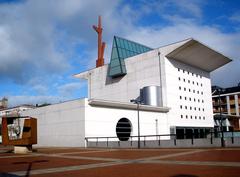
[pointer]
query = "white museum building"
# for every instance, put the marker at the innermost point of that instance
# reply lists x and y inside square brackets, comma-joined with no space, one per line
[171,86]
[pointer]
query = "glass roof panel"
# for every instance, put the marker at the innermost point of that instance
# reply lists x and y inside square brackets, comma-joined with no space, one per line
[121,49]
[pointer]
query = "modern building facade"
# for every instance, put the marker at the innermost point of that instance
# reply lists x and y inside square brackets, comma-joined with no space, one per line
[226,103]
[176,77]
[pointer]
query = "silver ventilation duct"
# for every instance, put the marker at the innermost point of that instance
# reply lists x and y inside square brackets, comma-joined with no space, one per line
[151,95]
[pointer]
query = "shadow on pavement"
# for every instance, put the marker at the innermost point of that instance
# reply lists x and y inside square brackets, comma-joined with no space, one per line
[7,175]
[30,165]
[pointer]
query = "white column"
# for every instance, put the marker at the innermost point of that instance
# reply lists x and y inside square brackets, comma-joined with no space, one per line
[228,105]
[227,124]
[236,105]
[162,78]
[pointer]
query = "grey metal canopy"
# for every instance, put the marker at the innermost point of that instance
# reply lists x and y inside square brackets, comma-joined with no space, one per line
[198,55]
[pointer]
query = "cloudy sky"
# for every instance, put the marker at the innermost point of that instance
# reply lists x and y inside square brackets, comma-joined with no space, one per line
[44,42]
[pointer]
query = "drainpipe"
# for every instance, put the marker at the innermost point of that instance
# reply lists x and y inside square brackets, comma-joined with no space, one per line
[160,75]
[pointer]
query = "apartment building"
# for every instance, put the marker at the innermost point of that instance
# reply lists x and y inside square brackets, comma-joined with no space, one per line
[226,105]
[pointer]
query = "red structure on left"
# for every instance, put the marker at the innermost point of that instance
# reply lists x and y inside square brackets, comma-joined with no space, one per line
[101,45]
[19,131]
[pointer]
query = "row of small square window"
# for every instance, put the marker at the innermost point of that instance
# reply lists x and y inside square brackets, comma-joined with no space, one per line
[191,117]
[191,108]
[190,99]
[194,91]
[189,72]
[184,80]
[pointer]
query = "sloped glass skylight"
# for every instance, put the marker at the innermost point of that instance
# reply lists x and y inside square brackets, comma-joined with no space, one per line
[121,49]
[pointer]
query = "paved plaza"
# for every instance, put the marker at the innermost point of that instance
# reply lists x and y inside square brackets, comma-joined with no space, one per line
[76,162]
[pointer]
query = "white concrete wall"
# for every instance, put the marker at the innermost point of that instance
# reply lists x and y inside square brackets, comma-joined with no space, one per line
[101,122]
[191,80]
[142,70]
[60,124]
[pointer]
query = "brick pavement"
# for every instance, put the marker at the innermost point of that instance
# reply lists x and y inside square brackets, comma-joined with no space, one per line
[123,162]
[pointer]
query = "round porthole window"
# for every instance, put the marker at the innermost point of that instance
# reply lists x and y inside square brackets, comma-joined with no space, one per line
[123,129]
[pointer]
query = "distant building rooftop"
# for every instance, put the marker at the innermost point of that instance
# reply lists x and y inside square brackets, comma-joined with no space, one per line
[225,90]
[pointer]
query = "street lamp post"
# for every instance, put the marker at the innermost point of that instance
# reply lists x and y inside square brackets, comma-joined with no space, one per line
[136,101]
[221,117]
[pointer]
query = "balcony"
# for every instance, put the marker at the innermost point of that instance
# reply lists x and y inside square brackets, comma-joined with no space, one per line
[232,102]
[218,111]
[217,104]
[233,110]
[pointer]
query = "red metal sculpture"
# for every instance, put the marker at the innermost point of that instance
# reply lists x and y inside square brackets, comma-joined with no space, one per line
[101,45]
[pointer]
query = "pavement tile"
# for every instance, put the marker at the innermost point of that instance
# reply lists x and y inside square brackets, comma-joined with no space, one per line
[129,154]
[39,162]
[151,170]
[210,155]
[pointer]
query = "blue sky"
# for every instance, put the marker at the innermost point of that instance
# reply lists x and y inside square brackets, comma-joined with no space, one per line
[43,43]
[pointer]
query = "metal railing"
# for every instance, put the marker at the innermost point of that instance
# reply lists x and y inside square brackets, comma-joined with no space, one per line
[143,138]
[159,138]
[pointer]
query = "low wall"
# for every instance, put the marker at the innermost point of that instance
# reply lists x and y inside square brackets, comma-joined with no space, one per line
[179,143]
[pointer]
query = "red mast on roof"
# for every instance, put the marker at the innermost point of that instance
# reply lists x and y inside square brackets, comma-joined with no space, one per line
[101,45]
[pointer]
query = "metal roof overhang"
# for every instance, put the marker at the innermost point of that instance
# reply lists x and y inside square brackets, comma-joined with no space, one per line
[198,55]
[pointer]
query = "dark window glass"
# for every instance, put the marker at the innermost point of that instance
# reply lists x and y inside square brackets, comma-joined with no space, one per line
[123,129]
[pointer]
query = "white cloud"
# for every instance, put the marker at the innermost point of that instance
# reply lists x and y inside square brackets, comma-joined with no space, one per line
[235,17]
[193,7]
[67,90]
[30,33]
[33,100]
